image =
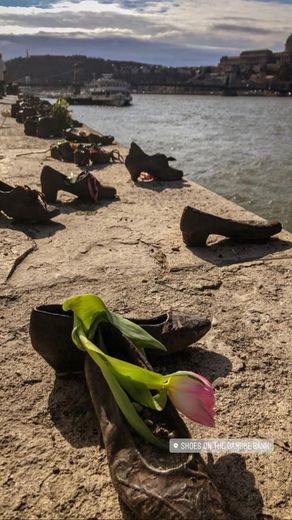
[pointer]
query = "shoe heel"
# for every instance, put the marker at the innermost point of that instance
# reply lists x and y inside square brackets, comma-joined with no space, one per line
[48,189]
[133,169]
[50,336]
[195,239]
[49,193]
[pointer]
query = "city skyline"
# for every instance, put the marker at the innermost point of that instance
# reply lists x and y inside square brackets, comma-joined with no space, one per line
[169,32]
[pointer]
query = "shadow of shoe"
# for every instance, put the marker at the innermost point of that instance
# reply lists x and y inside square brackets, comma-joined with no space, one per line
[76,205]
[162,185]
[237,485]
[196,359]
[35,231]
[72,412]
[227,252]
[96,167]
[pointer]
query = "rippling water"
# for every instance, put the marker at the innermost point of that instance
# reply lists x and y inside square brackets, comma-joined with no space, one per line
[238,147]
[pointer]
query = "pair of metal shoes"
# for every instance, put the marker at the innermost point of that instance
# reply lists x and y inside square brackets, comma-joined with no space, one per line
[182,490]
[82,154]
[70,134]
[157,165]
[23,204]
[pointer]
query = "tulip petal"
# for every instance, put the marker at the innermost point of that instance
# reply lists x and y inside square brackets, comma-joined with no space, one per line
[192,395]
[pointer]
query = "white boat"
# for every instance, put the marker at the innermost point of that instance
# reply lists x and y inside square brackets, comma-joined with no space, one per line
[104,91]
[109,91]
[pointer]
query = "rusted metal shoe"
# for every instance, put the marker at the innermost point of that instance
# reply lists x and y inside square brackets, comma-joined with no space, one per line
[137,161]
[175,330]
[70,134]
[51,327]
[197,225]
[49,126]
[171,489]
[50,333]
[100,156]
[85,186]
[24,204]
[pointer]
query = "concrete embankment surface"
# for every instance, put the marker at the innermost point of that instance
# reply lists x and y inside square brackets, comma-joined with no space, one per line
[131,252]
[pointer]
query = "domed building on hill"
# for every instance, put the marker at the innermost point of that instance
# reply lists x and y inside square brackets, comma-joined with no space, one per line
[256,59]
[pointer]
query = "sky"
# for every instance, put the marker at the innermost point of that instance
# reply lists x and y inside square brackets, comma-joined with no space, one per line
[169,32]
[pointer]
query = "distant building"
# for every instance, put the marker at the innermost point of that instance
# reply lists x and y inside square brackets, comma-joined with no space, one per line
[255,60]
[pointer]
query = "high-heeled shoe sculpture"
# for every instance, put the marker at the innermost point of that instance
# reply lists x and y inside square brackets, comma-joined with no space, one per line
[197,225]
[85,186]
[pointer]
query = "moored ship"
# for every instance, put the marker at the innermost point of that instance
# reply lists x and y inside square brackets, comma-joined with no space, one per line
[104,91]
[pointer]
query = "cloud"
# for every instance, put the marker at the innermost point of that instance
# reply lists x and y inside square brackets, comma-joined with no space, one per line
[27,3]
[140,5]
[240,28]
[119,48]
[85,21]
[204,27]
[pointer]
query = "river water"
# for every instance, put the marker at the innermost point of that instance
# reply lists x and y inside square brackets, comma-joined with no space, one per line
[239,147]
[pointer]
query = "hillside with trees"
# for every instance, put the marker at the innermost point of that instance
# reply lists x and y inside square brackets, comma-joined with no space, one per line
[59,70]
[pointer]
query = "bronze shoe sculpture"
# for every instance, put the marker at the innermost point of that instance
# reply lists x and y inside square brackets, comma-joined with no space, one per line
[100,156]
[49,126]
[24,204]
[197,225]
[83,137]
[137,161]
[85,186]
[175,330]
[150,481]
[30,126]
[63,151]
[51,327]
[101,140]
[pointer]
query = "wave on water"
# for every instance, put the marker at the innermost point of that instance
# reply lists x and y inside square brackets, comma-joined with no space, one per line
[237,147]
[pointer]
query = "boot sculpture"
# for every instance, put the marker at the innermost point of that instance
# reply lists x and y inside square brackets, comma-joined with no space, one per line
[169,490]
[137,161]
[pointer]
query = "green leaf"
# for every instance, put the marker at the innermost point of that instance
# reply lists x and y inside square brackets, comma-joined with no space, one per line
[91,310]
[152,380]
[60,110]
[122,400]
[142,395]
[122,377]
[135,333]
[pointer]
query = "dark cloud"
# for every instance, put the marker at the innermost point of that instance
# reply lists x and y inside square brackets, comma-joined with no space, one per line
[238,19]
[126,4]
[178,37]
[27,3]
[130,49]
[240,28]
[139,5]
